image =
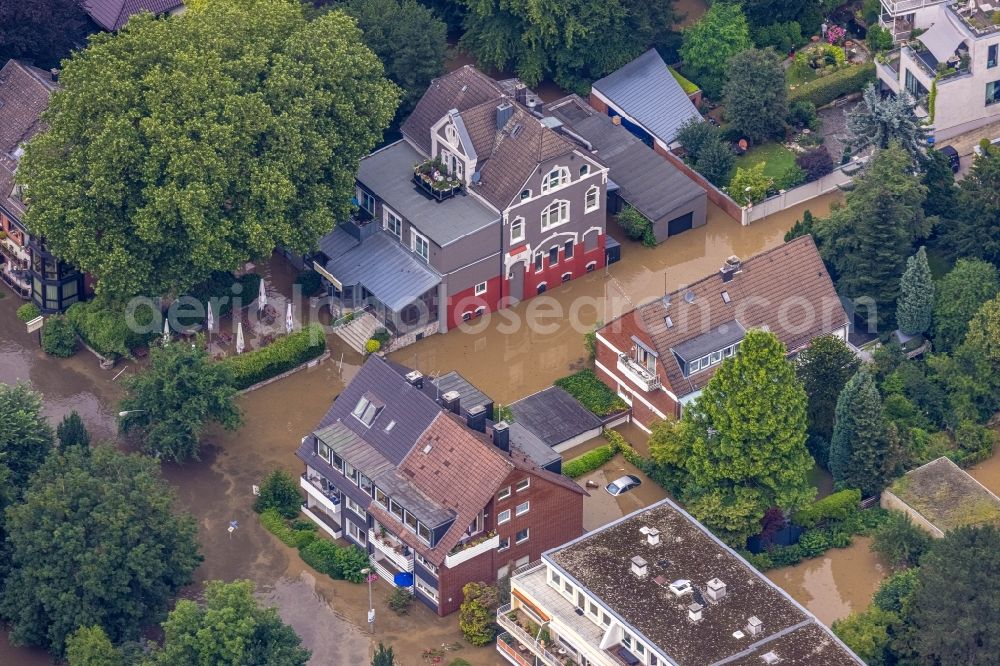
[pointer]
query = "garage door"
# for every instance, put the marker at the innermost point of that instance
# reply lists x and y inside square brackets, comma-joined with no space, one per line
[679,224]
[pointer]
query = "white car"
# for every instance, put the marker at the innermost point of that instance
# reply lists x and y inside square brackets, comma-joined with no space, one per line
[623,485]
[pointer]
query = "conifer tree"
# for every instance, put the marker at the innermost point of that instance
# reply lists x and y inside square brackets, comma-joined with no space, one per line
[916,296]
[864,449]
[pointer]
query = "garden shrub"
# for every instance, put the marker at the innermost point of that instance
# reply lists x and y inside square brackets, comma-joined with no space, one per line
[802,114]
[620,445]
[274,523]
[372,346]
[816,163]
[28,311]
[279,492]
[310,281]
[785,556]
[459,662]
[399,600]
[899,541]
[351,561]
[382,335]
[59,337]
[592,393]
[588,462]
[477,614]
[842,82]
[280,356]
[636,226]
[101,323]
[971,437]
[813,543]
[782,36]
[793,176]
[879,38]
[838,507]
[322,555]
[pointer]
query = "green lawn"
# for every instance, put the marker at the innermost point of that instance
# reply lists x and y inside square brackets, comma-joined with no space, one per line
[776,159]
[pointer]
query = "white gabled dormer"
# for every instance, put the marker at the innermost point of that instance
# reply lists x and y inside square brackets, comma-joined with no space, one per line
[451,143]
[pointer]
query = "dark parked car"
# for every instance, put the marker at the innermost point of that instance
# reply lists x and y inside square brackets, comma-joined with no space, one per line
[952,155]
[623,485]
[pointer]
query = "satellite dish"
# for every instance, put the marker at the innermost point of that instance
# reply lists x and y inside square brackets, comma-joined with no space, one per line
[689,296]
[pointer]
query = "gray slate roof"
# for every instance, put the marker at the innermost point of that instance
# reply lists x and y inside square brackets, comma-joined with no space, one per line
[718,338]
[646,181]
[532,446]
[554,416]
[647,91]
[113,14]
[389,173]
[469,395]
[387,269]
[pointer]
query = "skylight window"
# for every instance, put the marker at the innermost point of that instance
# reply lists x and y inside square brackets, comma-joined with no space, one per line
[366,410]
[725,296]
[670,322]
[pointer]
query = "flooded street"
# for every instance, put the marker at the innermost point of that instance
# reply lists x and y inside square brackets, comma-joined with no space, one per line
[508,359]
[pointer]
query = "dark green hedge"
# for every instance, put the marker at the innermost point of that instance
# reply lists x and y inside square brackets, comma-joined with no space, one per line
[588,462]
[280,356]
[839,507]
[824,90]
[592,393]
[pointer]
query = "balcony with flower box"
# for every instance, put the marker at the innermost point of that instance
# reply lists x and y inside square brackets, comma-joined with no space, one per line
[433,178]
[466,550]
[637,373]
[391,547]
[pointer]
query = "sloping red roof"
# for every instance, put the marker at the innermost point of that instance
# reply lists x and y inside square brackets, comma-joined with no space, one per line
[786,290]
[113,14]
[24,95]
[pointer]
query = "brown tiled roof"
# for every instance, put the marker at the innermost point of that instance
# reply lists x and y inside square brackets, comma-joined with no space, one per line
[507,156]
[461,89]
[113,14]
[24,94]
[786,289]
[455,470]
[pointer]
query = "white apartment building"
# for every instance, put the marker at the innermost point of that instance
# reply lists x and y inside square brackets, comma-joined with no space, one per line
[656,588]
[950,67]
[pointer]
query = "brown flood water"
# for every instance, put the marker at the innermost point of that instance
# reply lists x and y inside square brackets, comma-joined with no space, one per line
[690,11]
[507,359]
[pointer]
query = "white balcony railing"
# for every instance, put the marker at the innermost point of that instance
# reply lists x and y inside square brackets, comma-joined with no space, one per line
[388,548]
[898,7]
[528,641]
[637,373]
[331,504]
[467,554]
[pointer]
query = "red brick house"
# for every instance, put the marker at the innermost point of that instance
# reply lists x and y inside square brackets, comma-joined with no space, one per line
[660,356]
[437,494]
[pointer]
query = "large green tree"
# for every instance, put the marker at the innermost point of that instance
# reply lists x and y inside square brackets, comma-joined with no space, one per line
[958,296]
[955,612]
[881,120]
[94,542]
[916,295]
[867,240]
[824,367]
[42,32]
[741,446]
[408,38]
[230,629]
[72,432]
[755,94]
[175,398]
[90,646]
[864,449]
[710,43]
[25,435]
[183,146]
[573,41]
[974,228]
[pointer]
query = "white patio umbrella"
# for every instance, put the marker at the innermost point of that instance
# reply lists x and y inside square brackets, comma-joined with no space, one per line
[239,338]
[210,320]
[288,318]
[261,297]
[166,331]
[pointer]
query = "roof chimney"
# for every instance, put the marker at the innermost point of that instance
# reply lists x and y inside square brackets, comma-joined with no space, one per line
[451,402]
[521,94]
[54,73]
[730,268]
[653,536]
[501,436]
[716,589]
[694,612]
[639,567]
[476,418]
[754,626]
[416,378]
[504,113]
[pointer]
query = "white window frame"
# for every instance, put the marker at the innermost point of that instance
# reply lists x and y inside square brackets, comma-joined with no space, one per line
[527,535]
[481,288]
[354,506]
[425,563]
[522,508]
[366,196]
[584,170]
[387,216]
[523,484]
[425,589]
[589,207]
[504,544]
[503,517]
[414,237]
[357,533]
[503,494]
[555,179]
[525,194]
[555,214]
[518,224]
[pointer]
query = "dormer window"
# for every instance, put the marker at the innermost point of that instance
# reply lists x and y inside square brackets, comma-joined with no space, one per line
[367,409]
[555,178]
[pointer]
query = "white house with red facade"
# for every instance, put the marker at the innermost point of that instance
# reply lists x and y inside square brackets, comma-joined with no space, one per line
[659,356]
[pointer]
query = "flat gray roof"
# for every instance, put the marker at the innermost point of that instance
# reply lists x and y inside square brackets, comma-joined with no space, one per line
[381,264]
[647,91]
[554,416]
[388,173]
